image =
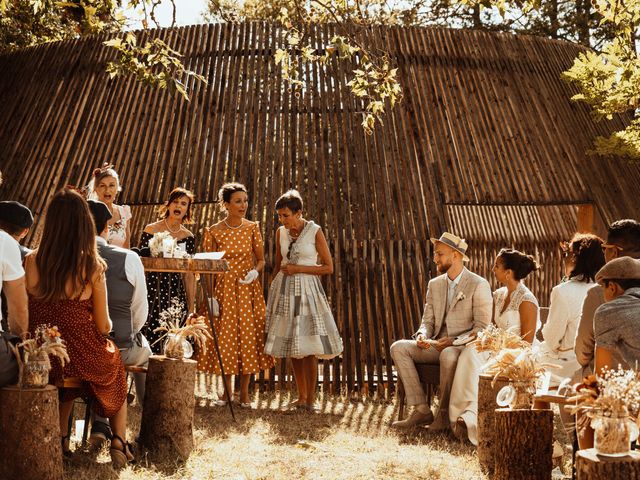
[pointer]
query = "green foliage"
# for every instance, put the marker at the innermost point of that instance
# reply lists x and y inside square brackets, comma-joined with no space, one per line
[155,63]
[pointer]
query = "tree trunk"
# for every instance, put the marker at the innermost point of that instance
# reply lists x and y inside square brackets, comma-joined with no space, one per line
[590,466]
[524,444]
[166,428]
[486,414]
[583,12]
[30,439]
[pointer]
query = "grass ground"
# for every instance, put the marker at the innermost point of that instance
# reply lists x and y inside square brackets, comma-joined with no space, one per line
[345,440]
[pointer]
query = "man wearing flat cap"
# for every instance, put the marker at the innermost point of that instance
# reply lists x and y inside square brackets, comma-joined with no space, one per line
[617,322]
[16,220]
[457,307]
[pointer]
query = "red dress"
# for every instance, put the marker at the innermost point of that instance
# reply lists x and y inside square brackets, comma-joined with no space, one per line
[94,358]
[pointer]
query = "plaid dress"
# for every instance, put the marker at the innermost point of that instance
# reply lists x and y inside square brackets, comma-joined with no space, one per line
[299,318]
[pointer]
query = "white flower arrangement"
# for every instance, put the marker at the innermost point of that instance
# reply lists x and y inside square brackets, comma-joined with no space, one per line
[162,244]
[461,296]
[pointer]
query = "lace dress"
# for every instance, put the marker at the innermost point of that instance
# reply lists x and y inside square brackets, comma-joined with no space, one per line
[299,318]
[240,326]
[161,288]
[464,391]
[117,233]
[94,358]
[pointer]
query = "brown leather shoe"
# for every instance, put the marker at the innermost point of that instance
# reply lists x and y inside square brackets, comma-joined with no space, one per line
[416,418]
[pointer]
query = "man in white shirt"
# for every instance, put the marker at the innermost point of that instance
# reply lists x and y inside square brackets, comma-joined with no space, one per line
[128,307]
[12,283]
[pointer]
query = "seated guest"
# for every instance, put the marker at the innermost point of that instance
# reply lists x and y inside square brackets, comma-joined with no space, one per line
[458,303]
[12,284]
[128,308]
[16,220]
[583,259]
[67,288]
[617,322]
[515,308]
[623,240]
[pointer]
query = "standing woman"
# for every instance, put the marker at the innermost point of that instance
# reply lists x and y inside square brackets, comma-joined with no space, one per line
[515,308]
[240,325]
[163,287]
[300,324]
[105,186]
[67,288]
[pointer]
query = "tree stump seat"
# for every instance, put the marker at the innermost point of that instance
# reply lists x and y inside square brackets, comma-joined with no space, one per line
[486,420]
[591,466]
[429,375]
[166,428]
[30,439]
[524,444]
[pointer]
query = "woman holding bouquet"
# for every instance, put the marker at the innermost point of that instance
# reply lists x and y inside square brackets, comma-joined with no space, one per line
[516,309]
[238,293]
[300,324]
[105,186]
[163,287]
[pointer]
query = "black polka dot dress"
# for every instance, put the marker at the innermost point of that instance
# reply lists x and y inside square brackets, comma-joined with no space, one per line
[161,288]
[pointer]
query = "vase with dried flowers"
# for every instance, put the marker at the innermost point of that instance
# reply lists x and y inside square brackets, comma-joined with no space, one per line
[522,368]
[611,405]
[34,365]
[177,333]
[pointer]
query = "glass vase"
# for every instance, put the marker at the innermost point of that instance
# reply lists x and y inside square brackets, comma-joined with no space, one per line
[177,346]
[35,373]
[516,395]
[613,434]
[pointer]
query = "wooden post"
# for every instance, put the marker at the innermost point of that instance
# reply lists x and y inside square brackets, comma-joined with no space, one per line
[166,428]
[486,414]
[585,218]
[524,444]
[591,466]
[30,438]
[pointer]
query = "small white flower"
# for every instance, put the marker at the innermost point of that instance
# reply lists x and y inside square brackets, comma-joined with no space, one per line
[460,296]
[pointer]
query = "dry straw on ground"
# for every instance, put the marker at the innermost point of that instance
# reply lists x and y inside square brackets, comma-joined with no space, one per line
[346,440]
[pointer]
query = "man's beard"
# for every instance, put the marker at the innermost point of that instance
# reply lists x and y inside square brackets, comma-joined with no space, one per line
[444,268]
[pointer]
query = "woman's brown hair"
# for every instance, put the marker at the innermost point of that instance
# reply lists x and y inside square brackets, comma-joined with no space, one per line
[67,250]
[175,194]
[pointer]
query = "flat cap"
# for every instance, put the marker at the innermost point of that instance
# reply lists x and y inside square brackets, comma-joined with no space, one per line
[623,268]
[100,212]
[16,214]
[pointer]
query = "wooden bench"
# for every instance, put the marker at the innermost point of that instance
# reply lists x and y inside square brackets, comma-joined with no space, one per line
[78,383]
[429,375]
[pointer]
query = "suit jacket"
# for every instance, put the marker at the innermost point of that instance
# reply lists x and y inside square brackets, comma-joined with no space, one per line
[470,310]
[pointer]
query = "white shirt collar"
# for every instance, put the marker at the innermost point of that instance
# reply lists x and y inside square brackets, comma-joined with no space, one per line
[101,241]
[455,281]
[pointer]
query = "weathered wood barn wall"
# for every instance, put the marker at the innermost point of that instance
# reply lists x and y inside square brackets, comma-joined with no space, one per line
[486,143]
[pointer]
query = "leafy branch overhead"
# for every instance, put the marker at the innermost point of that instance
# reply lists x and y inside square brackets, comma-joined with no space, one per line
[155,63]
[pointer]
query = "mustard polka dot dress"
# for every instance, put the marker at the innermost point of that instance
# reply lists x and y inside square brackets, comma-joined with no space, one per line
[241,324]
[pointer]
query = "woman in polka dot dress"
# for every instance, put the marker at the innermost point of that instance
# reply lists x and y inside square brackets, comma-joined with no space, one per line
[300,324]
[67,288]
[240,326]
[162,287]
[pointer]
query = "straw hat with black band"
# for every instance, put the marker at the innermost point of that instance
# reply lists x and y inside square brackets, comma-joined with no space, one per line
[455,242]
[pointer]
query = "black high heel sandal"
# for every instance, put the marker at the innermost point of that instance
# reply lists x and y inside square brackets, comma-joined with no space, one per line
[120,457]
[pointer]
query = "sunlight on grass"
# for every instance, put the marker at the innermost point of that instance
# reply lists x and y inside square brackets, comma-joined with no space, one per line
[345,440]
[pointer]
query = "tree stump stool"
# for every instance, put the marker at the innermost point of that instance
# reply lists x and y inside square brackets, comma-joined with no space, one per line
[30,438]
[524,444]
[486,414]
[591,466]
[166,428]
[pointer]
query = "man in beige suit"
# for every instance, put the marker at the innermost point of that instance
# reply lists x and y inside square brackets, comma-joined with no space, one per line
[458,306]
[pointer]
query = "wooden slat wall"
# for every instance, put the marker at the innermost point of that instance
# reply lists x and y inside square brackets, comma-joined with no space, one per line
[486,143]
